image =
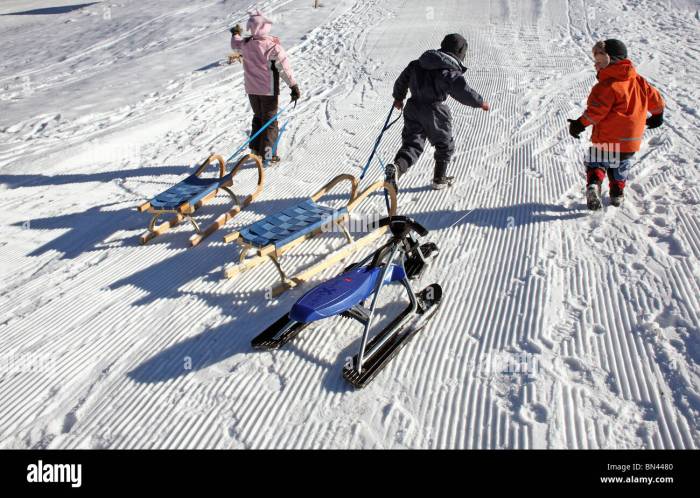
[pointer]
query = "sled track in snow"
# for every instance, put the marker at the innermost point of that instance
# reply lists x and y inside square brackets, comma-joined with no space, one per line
[593,301]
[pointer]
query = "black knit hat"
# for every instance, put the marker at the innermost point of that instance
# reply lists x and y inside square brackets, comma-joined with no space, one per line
[615,49]
[456,45]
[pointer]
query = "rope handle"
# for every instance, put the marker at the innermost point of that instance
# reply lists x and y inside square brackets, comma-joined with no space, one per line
[387,124]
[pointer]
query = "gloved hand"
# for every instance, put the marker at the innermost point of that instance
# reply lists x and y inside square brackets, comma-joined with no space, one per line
[295,93]
[236,30]
[575,128]
[655,121]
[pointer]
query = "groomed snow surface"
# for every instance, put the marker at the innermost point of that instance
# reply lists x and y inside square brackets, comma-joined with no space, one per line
[560,328]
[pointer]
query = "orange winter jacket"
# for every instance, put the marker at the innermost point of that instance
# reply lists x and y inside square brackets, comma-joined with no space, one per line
[618,105]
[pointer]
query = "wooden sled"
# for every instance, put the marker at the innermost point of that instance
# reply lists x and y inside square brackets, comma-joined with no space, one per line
[184,198]
[279,233]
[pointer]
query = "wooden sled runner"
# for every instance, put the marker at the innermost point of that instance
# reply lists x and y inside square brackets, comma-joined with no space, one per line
[184,198]
[279,233]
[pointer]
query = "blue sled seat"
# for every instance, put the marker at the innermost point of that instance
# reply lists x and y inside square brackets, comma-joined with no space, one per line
[288,225]
[190,190]
[341,293]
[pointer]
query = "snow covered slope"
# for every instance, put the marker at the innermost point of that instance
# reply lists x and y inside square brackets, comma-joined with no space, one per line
[105,343]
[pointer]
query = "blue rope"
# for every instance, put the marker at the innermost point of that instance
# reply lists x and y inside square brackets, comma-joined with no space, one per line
[255,135]
[279,137]
[386,126]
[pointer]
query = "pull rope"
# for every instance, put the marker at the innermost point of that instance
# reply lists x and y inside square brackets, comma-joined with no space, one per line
[257,133]
[388,123]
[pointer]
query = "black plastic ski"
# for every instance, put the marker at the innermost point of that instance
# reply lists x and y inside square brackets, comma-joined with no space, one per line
[402,330]
[414,265]
[278,334]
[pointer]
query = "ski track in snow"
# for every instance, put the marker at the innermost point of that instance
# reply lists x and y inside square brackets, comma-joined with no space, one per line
[605,305]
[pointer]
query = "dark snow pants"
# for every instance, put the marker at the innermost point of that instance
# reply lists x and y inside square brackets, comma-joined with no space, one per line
[426,120]
[264,107]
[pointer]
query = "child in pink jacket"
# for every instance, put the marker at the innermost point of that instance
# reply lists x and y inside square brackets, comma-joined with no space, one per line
[264,62]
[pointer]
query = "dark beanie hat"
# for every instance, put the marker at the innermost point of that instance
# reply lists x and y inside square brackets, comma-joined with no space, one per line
[456,45]
[615,49]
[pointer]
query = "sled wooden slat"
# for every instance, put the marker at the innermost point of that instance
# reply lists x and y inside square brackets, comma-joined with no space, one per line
[306,275]
[281,232]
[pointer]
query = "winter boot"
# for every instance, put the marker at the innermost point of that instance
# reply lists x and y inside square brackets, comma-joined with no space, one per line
[440,178]
[617,192]
[616,200]
[442,182]
[593,197]
[273,160]
[391,175]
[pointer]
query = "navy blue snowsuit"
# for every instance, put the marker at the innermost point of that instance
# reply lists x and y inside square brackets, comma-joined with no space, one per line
[431,79]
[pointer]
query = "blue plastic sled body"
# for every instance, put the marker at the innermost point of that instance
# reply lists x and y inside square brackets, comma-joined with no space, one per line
[341,293]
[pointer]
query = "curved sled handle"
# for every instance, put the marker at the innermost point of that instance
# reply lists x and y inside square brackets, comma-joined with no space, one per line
[208,161]
[258,165]
[389,192]
[401,225]
[335,181]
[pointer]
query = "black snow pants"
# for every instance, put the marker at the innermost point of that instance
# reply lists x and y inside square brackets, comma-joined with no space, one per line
[264,107]
[426,120]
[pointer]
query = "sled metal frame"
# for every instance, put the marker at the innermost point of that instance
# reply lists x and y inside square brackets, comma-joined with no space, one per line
[273,253]
[186,209]
[398,247]
[366,353]
[375,352]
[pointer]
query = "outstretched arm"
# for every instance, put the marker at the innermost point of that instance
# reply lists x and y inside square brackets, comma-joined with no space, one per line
[237,42]
[464,94]
[236,38]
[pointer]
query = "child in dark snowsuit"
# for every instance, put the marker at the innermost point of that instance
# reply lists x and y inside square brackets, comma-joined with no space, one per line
[433,77]
[617,109]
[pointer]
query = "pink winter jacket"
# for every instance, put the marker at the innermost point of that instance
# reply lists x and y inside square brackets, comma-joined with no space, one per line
[264,59]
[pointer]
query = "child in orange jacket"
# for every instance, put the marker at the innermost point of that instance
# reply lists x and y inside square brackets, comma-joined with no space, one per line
[617,108]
